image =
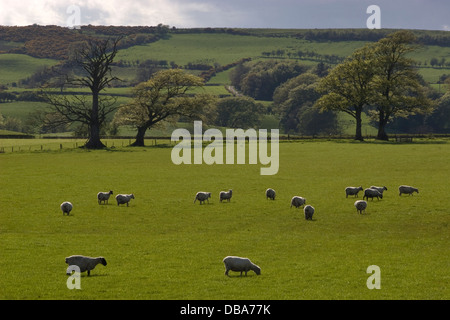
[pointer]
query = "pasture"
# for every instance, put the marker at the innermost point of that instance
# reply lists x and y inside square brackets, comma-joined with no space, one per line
[163,246]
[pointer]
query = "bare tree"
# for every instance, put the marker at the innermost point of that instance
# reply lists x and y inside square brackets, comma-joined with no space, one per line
[94,58]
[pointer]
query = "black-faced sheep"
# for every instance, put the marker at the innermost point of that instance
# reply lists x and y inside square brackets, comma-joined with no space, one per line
[239,264]
[224,195]
[270,194]
[202,196]
[360,206]
[308,211]
[297,201]
[103,197]
[84,263]
[66,207]
[124,198]
[353,191]
[407,190]
[372,193]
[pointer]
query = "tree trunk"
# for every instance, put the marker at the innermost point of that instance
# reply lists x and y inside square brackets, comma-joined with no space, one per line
[94,141]
[382,121]
[358,134]
[140,137]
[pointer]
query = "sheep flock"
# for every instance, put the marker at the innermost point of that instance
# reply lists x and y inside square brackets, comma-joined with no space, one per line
[232,263]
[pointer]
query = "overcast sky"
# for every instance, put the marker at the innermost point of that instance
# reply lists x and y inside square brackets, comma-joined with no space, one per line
[401,14]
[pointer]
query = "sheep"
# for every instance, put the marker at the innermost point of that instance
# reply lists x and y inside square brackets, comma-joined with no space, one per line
[353,191]
[66,207]
[371,193]
[360,205]
[270,193]
[239,264]
[124,198]
[202,196]
[223,195]
[309,211]
[103,196]
[407,189]
[380,189]
[84,263]
[297,201]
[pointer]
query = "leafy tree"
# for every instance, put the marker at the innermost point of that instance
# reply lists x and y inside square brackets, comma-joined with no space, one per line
[294,100]
[397,90]
[259,80]
[238,112]
[162,98]
[348,86]
[95,58]
[439,119]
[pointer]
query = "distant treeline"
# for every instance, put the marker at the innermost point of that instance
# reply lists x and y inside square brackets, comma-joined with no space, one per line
[426,37]
[56,42]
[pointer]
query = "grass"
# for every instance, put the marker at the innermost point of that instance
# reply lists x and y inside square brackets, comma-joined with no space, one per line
[165,247]
[15,67]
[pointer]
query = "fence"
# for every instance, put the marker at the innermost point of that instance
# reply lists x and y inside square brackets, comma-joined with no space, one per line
[63,143]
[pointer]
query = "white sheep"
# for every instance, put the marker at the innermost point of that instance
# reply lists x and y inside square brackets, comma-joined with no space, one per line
[224,195]
[407,190]
[103,196]
[353,191]
[239,264]
[66,207]
[297,201]
[202,196]
[372,193]
[309,211]
[270,194]
[380,189]
[84,263]
[124,198]
[360,205]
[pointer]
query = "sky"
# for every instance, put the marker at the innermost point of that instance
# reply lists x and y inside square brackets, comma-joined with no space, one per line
[295,14]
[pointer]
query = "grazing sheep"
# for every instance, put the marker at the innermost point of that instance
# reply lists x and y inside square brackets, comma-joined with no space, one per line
[309,211]
[239,264]
[223,195]
[380,189]
[297,201]
[84,263]
[66,207]
[270,194]
[202,196]
[372,193]
[103,196]
[407,189]
[352,191]
[360,205]
[124,198]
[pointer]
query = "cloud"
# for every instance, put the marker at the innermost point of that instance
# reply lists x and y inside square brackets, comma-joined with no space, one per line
[423,14]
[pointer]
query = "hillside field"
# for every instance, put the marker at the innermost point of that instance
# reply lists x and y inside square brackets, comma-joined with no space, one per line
[163,246]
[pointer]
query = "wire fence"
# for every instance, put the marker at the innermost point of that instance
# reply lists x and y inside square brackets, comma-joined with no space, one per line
[65,143]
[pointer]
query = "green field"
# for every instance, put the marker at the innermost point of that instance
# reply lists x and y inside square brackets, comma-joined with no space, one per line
[15,67]
[163,246]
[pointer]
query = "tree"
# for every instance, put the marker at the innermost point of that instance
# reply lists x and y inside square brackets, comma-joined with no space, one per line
[165,96]
[397,90]
[238,112]
[348,86]
[94,57]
